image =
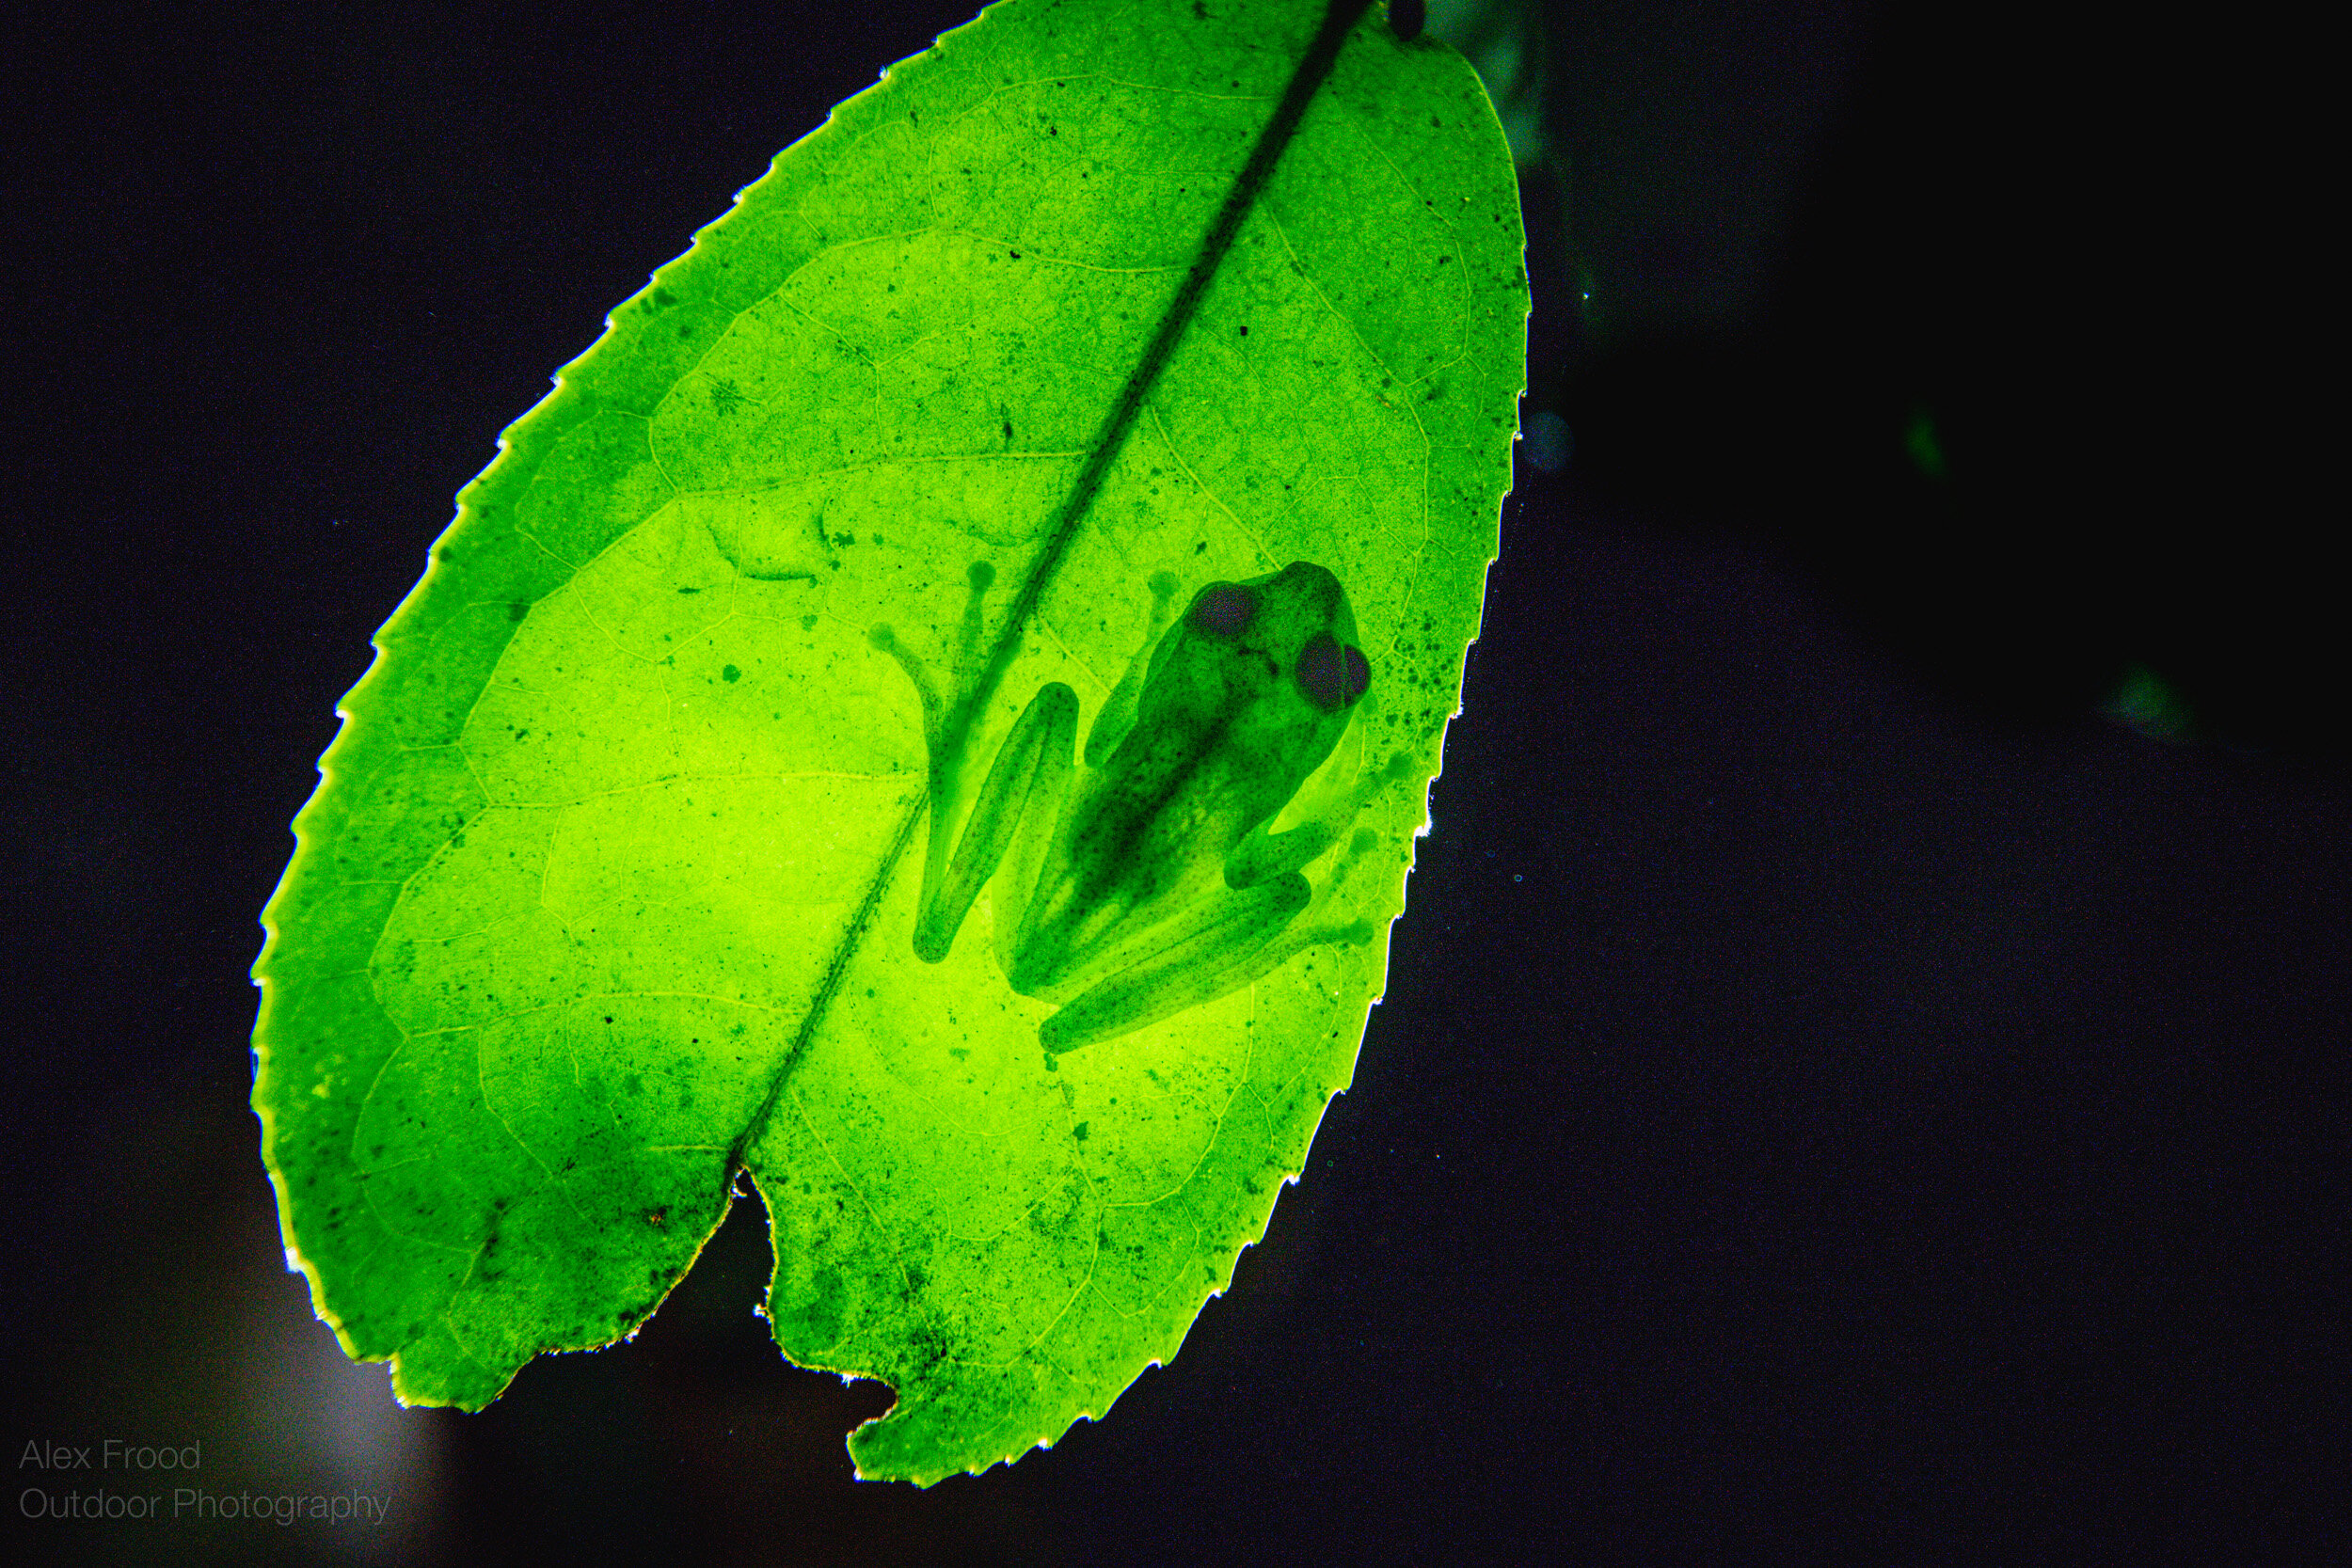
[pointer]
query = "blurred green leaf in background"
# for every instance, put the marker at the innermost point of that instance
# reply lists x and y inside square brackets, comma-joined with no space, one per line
[605,900]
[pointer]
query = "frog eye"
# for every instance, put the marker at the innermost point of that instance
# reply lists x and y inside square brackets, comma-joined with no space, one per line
[1224,609]
[1329,675]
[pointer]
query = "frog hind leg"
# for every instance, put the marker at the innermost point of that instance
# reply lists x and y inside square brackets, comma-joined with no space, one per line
[1197,959]
[1026,783]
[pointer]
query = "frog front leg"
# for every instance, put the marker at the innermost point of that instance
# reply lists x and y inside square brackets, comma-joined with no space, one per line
[1263,855]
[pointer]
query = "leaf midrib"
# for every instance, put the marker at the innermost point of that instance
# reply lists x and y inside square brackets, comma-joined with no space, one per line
[1313,69]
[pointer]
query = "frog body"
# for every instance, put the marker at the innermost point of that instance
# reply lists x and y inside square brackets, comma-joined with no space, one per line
[1150,883]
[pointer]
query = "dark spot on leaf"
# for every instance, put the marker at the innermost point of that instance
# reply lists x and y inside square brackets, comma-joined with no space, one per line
[1245,332]
[729,672]
[1079,1131]
[517,610]
[1407,18]
[689,590]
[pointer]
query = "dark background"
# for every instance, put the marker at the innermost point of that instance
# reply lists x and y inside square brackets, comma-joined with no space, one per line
[1864,1074]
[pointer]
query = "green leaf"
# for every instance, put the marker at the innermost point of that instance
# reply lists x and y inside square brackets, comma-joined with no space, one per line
[604,900]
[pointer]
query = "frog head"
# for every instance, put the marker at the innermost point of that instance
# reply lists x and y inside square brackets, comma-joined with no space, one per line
[1272,667]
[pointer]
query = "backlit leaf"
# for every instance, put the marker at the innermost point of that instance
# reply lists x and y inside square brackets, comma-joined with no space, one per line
[604,903]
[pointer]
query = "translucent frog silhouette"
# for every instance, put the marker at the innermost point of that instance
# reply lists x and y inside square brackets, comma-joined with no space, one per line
[1149,882]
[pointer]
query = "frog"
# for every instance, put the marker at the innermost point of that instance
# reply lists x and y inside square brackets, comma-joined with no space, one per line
[1151,880]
